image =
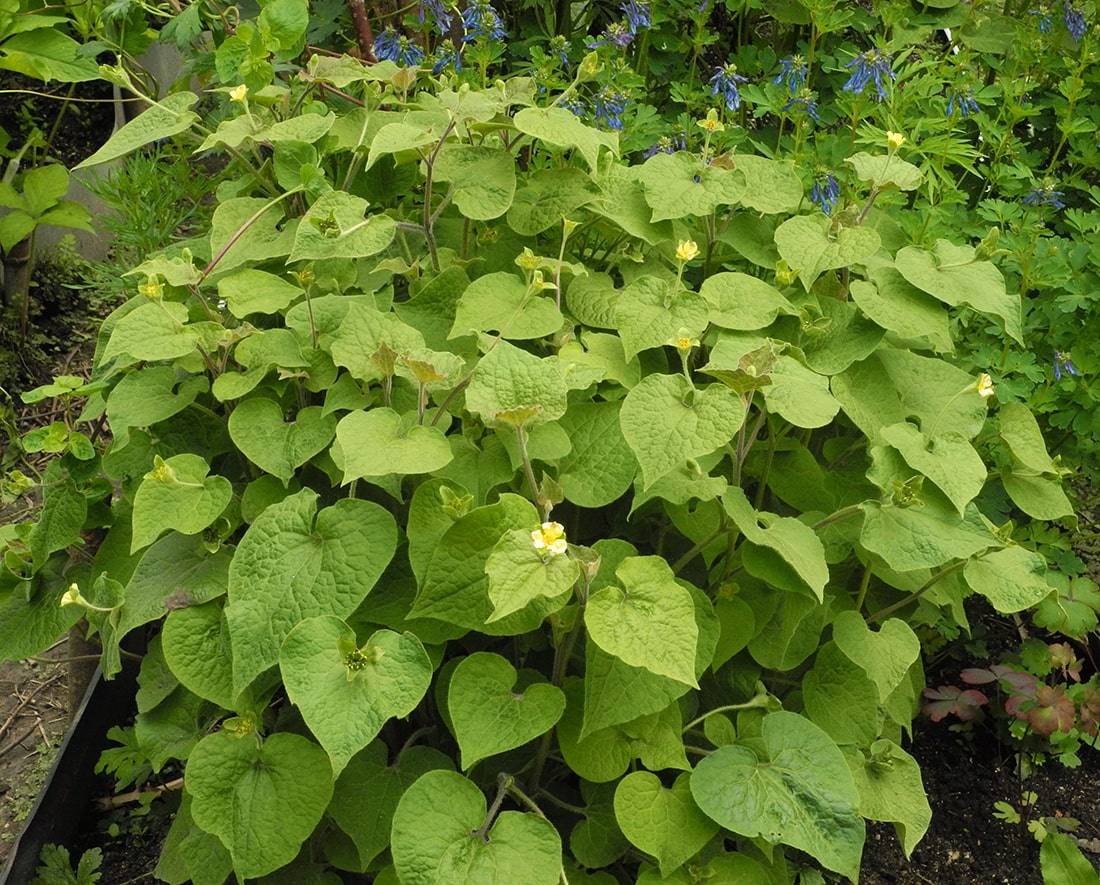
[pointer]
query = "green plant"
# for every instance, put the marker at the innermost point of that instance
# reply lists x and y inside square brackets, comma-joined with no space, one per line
[55,867]
[464,444]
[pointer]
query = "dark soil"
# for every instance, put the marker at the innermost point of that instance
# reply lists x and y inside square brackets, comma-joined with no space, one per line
[964,775]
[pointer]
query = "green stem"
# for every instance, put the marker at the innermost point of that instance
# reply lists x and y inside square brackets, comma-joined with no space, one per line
[758,702]
[864,584]
[916,594]
[504,784]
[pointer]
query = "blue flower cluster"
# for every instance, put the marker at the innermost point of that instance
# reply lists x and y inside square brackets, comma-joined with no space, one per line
[964,100]
[607,105]
[872,65]
[794,71]
[621,33]
[1044,195]
[391,46]
[479,19]
[1075,21]
[1063,363]
[667,145]
[437,12]
[724,83]
[806,102]
[825,193]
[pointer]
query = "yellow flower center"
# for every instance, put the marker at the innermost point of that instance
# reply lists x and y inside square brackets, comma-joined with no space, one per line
[687,250]
[549,538]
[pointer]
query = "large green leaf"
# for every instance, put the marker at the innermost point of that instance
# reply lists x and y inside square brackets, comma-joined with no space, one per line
[162,120]
[885,656]
[647,622]
[562,128]
[662,821]
[197,648]
[680,184]
[261,799]
[811,247]
[956,275]
[337,226]
[279,446]
[490,714]
[794,541]
[519,574]
[346,694]
[653,311]
[515,387]
[890,789]
[294,563]
[369,788]
[948,459]
[379,441]
[436,838]
[800,792]
[500,302]
[178,495]
[666,422]
[600,466]
[484,179]
[1012,579]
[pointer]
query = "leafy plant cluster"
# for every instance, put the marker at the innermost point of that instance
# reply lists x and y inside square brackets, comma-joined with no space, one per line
[505,504]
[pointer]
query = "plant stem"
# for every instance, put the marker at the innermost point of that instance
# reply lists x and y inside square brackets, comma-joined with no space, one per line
[916,594]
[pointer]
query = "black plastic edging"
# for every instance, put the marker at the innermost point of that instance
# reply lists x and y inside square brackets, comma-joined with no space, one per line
[57,812]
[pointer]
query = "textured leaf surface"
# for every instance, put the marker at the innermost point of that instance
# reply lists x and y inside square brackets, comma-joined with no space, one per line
[647,622]
[651,311]
[891,789]
[500,302]
[435,841]
[291,565]
[261,800]
[518,575]
[179,495]
[801,793]
[379,441]
[490,715]
[1012,579]
[948,459]
[885,655]
[347,695]
[369,788]
[666,423]
[662,821]
[516,387]
[197,648]
[279,446]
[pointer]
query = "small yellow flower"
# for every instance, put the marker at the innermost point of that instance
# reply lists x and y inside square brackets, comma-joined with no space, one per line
[985,386]
[711,123]
[239,93]
[550,537]
[687,250]
[894,140]
[72,596]
[152,289]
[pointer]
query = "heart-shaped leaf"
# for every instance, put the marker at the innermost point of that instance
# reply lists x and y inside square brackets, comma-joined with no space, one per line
[291,561]
[258,429]
[177,494]
[369,788]
[489,715]
[346,694]
[648,622]
[261,799]
[885,656]
[379,441]
[518,574]
[800,792]
[663,822]
[436,838]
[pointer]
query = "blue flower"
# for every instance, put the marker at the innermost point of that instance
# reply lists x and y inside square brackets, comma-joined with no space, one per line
[725,82]
[391,46]
[1045,20]
[607,105]
[1075,21]
[575,105]
[1063,363]
[637,15]
[806,101]
[1044,195]
[446,54]
[438,13]
[966,102]
[825,193]
[794,71]
[870,65]
[480,20]
[666,145]
[615,34]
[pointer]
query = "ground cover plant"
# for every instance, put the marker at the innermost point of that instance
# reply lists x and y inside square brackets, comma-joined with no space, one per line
[522,481]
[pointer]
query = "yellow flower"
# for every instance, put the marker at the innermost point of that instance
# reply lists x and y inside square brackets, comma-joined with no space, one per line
[238,93]
[711,123]
[687,250]
[72,596]
[985,386]
[152,288]
[550,537]
[894,140]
